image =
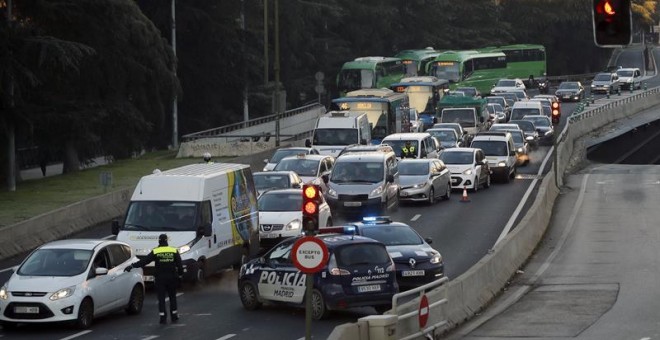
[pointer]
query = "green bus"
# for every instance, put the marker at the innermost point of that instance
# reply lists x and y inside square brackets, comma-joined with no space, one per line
[369,73]
[416,61]
[524,61]
[470,68]
[424,93]
[387,111]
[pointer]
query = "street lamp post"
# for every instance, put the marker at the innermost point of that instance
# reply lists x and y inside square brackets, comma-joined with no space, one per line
[277,74]
[175,108]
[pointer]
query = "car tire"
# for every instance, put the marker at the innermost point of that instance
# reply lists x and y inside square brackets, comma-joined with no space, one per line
[249,295]
[447,194]
[431,196]
[136,301]
[8,325]
[319,308]
[200,273]
[487,183]
[475,187]
[507,176]
[85,314]
[514,173]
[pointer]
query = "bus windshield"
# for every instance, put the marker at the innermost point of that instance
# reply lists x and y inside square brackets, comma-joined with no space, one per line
[446,70]
[350,80]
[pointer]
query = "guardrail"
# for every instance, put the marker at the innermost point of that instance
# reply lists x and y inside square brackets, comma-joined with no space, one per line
[421,291]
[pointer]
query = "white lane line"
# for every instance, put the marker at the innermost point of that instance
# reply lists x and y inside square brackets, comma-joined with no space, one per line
[228,336]
[177,295]
[415,217]
[77,335]
[520,206]
[151,337]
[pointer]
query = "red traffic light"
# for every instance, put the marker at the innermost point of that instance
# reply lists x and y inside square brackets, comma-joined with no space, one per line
[310,192]
[605,7]
[612,22]
[310,208]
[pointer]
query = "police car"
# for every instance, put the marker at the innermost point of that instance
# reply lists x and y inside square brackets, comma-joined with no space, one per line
[417,263]
[359,273]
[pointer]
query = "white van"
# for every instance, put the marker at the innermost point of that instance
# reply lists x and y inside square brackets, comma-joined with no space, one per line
[208,211]
[337,129]
[424,146]
[526,108]
[500,153]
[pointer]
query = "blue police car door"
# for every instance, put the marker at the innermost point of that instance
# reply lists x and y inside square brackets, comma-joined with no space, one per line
[279,279]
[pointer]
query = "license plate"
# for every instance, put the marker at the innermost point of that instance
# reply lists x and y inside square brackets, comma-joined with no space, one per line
[369,288]
[407,273]
[566,97]
[269,235]
[26,310]
[148,278]
[352,204]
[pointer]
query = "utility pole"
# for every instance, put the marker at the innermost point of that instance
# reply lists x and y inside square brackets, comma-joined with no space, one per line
[265,43]
[11,129]
[175,108]
[277,74]
[246,113]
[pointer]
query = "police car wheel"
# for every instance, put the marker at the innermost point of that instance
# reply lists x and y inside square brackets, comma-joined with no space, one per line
[319,309]
[249,295]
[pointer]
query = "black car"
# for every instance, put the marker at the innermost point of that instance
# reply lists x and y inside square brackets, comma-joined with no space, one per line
[359,273]
[417,263]
[570,91]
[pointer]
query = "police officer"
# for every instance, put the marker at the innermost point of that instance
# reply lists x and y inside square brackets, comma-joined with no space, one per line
[408,151]
[166,278]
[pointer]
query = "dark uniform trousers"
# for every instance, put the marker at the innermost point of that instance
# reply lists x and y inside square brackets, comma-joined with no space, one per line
[168,268]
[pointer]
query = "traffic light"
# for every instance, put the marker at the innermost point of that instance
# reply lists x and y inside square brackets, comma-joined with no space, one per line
[310,208]
[612,22]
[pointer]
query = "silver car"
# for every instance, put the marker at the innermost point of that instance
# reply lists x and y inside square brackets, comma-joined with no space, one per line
[424,180]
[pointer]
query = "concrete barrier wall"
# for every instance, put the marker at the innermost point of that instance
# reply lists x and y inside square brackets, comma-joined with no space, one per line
[471,292]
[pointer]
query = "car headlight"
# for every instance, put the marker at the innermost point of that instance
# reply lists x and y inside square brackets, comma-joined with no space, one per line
[529,138]
[331,192]
[520,150]
[376,192]
[184,248]
[437,258]
[295,224]
[265,169]
[502,163]
[592,86]
[467,172]
[62,293]
[4,295]
[419,185]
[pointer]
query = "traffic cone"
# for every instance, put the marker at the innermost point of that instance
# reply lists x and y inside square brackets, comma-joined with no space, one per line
[465,198]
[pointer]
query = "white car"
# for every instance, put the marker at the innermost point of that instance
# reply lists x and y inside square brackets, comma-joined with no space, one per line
[630,78]
[72,280]
[286,152]
[468,166]
[310,168]
[507,85]
[268,180]
[280,215]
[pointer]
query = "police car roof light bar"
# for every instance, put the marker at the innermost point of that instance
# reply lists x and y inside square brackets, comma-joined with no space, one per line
[376,219]
[346,230]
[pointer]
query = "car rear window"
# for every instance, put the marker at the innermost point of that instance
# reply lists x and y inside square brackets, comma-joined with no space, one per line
[361,254]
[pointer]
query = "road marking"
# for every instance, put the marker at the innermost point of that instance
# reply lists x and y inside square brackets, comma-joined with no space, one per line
[415,217]
[108,237]
[228,336]
[520,206]
[203,314]
[76,335]
[151,337]
[177,295]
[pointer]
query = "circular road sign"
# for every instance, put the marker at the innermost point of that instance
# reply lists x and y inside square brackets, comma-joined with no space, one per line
[423,311]
[319,76]
[309,254]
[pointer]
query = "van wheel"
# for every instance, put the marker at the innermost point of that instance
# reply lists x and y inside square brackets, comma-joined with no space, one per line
[200,274]
[475,187]
[431,197]
[85,314]
[136,301]
[487,184]
[249,296]
[319,308]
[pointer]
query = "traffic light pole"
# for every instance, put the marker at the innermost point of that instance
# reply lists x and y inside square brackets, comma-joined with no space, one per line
[309,283]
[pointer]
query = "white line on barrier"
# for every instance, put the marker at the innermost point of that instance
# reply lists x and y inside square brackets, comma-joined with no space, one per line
[520,206]
[228,336]
[151,337]
[416,217]
[6,269]
[108,237]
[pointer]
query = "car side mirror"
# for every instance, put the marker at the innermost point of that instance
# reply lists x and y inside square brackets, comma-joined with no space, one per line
[266,161]
[100,271]
[114,227]
[512,152]
[428,240]
[308,143]
[390,178]
[205,230]
[325,178]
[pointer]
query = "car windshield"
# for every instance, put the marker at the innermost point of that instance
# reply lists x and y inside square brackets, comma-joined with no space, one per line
[413,168]
[459,157]
[361,254]
[538,121]
[602,77]
[281,153]
[626,73]
[525,125]
[568,86]
[506,83]
[56,262]
[268,181]
[464,117]
[392,235]
[494,100]
[301,166]
[443,136]
[162,216]
[351,79]
[357,172]
[522,112]
[469,91]
[398,145]
[518,137]
[509,97]
[279,201]
[456,127]
[491,147]
[335,137]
